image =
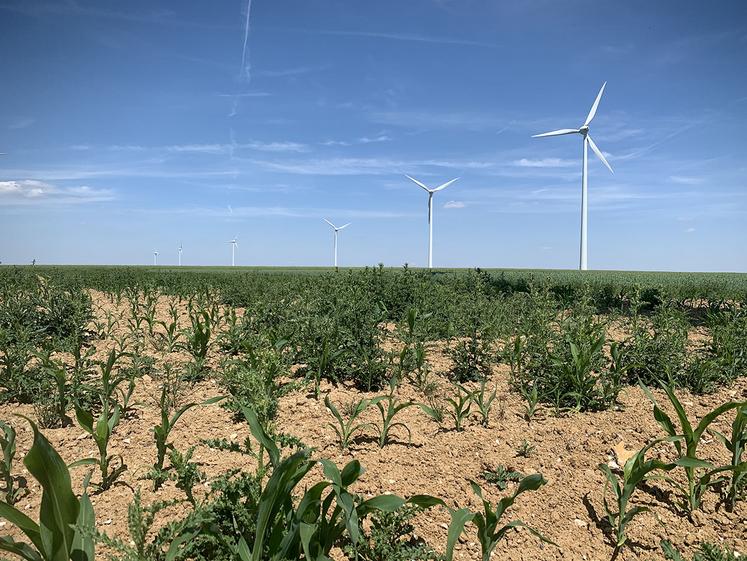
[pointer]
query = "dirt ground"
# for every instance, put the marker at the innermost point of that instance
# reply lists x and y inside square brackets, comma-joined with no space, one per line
[568,509]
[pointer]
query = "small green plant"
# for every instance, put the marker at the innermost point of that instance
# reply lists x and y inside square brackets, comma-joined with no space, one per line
[347,427]
[58,373]
[489,533]
[460,406]
[434,409]
[706,552]
[532,401]
[161,433]
[700,473]
[525,449]
[635,471]
[66,524]
[387,417]
[185,473]
[484,402]
[198,337]
[735,444]
[11,491]
[101,427]
[501,476]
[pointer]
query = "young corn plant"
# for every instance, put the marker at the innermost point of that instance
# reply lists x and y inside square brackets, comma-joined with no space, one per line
[66,524]
[101,428]
[735,444]
[168,339]
[532,402]
[460,406]
[489,531]
[346,428]
[57,371]
[11,492]
[198,338]
[161,433]
[700,473]
[635,471]
[387,417]
[484,402]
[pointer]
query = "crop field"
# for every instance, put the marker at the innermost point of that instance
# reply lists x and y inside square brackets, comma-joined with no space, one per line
[167,414]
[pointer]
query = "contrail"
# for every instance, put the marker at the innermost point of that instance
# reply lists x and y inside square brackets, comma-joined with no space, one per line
[246,67]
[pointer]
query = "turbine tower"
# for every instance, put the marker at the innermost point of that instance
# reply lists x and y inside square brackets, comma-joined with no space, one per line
[430,212]
[336,229]
[234,244]
[587,141]
[155,257]
[180,254]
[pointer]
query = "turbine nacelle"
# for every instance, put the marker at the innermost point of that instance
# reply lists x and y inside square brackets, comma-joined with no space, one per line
[584,130]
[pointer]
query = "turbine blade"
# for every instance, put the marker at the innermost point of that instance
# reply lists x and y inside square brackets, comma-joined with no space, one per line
[558,132]
[593,110]
[417,182]
[345,226]
[330,223]
[445,185]
[598,152]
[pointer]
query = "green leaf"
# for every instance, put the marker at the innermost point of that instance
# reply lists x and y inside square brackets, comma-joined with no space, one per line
[22,522]
[85,529]
[59,507]
[458,519]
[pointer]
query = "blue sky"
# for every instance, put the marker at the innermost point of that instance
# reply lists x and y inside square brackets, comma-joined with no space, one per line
[130,127]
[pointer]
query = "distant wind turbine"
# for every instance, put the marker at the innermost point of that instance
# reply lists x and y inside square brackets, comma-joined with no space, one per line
[584,132]
[430,212]
[155,257]
[234,244]
[180,254]
[336,229]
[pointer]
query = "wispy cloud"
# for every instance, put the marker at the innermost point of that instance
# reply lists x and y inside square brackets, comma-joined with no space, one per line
[214,148]
[408,37]
[290,72]
[21,123]
[685,180]
[272,211]
[454,204]
[442,120]
[361,140]
[34,192]
[544,163]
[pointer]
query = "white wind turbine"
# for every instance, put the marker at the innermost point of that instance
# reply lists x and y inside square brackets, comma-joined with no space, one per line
[234,244]
[336,229]
[155,257]
[430,212]
[587,141]
[180,254]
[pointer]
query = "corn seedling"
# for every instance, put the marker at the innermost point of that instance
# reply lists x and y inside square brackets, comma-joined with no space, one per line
[699,472]
[387,417]
[66,524]
[484,402]
[8,448]
[101,428]
[58,372]
[346,428]
[706,552]
[461,406]
[162,431]
[434,409]
[736,444]
[532,401]
[487,522]
[198,338]
[635,471]
[525,449]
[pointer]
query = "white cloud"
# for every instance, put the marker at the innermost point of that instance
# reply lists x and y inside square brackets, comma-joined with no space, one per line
[543,163]
[21,123]
[454,204]
[685,180]
[31,191]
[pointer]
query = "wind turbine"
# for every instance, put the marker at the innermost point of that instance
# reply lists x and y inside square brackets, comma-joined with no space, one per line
[155,257]
[587,141]
[180,254]
[336,229]
[234,243]
[430,212]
